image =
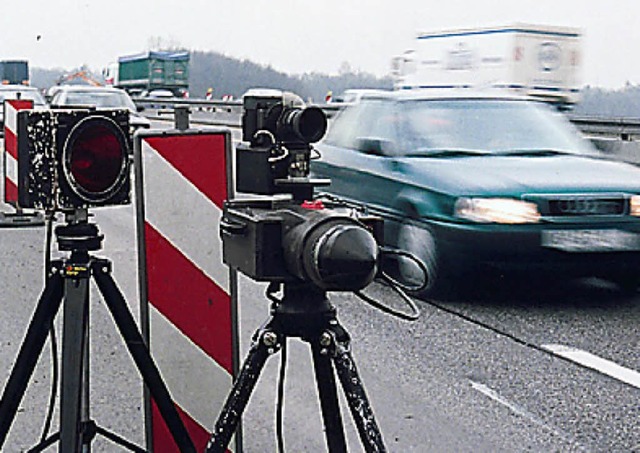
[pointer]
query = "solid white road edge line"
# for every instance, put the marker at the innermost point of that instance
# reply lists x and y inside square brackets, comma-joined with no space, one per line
[594,362]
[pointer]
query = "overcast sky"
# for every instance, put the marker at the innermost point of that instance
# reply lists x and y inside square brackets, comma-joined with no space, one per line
[304,35]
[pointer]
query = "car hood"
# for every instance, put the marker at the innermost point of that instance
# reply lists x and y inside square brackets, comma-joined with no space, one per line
[139,120]
[511,175]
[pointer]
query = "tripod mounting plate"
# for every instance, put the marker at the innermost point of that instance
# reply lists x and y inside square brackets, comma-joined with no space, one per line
[79,237]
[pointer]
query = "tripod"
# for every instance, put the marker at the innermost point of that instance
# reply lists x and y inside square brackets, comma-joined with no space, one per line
[306,313]
[68,280]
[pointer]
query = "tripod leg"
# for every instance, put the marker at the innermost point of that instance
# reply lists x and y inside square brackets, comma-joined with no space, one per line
[266,341]
[361,411]
[30,350]
[328,394]
[140,353]
[76,299]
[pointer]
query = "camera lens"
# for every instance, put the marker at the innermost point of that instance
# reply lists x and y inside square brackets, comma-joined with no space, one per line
[95,157]
[343,258]
[336,254]
[309,124]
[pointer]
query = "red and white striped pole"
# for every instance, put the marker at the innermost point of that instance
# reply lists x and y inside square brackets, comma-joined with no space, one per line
[11,108]
[10,167]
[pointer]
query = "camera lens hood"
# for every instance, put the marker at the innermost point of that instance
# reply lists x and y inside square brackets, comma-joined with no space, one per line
[335,253]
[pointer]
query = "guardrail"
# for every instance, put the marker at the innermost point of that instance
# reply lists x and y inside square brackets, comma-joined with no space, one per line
[228,113]
[623,128]
[201,103]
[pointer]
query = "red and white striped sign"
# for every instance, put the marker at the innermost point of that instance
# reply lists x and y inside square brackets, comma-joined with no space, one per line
[11,108]
[186,289]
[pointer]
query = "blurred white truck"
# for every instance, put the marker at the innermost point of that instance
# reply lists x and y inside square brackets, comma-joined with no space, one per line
[543,62]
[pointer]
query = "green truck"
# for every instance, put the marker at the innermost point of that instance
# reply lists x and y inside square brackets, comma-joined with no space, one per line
[153,71]
[14,72]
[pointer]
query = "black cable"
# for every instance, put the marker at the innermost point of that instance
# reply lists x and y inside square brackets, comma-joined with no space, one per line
[314,154]
[415,311]
[280,401]
[55,369]
[270,292]
[387,251]
[398,287]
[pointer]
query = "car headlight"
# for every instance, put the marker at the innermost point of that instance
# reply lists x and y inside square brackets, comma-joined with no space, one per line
[634,205]
[498,210]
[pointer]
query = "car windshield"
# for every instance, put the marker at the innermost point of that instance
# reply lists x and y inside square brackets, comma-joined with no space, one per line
[101,99]
[503,127]
[32,95]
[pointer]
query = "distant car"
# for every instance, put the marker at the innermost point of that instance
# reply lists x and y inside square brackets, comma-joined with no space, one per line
[468,183]
[156,94]
[159,94]
[100,97]
[22,92]
[353,95]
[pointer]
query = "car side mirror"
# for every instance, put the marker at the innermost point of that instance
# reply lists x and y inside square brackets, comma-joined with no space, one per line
[373,145]
[140,108]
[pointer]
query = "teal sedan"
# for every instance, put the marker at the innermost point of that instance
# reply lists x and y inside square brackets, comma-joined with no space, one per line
[471,183]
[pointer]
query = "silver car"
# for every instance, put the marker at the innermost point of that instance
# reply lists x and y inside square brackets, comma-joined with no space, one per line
[8,92]
[100,97]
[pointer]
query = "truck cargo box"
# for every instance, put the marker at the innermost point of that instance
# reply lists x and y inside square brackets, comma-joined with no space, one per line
[14,72]
[539,61]
[154,70]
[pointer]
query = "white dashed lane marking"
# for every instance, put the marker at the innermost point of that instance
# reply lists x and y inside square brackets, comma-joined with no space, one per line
[519,410]
[604,366]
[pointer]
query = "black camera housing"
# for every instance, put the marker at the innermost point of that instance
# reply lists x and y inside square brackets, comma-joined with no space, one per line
[271,240]
[258,106]
[46,139]
[299,239]
[278,131]
[284,116]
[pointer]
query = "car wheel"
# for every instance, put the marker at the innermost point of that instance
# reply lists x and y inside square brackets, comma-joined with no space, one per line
[421,242]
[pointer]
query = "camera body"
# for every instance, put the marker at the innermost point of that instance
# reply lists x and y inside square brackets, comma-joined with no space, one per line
[278,131]
[296,239]
[334,247]
[70,159]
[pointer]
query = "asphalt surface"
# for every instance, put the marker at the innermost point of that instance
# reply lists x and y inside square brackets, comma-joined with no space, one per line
[473,374]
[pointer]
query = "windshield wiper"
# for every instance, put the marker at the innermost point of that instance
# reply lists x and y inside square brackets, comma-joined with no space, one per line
[533,152]
[446,152]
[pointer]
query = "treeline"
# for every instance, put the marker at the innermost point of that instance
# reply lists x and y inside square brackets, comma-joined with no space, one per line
[624,102]
[45,78]
[231,76]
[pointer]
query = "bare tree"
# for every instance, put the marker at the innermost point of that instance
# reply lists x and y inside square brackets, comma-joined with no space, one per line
[157,43]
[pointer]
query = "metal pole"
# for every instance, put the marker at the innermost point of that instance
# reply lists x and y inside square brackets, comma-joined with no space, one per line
[140,353]
[181,117]
[328,395]
[30,350]
[73,355]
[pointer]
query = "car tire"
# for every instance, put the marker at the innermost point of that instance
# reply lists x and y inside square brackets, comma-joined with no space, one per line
[420,241]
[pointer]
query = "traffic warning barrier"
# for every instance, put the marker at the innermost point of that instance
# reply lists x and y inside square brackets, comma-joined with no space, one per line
[188,300]
[11,108]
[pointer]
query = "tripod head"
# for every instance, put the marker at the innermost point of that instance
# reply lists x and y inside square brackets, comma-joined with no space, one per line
[303,308]
[78,235]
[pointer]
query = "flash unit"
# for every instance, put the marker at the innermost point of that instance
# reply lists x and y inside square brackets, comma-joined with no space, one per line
[70,159]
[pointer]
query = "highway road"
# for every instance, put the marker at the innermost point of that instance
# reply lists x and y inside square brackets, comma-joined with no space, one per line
[515,365]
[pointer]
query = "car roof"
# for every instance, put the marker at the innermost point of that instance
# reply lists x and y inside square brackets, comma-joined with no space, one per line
[87,88]
[363,91]
[442,94]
